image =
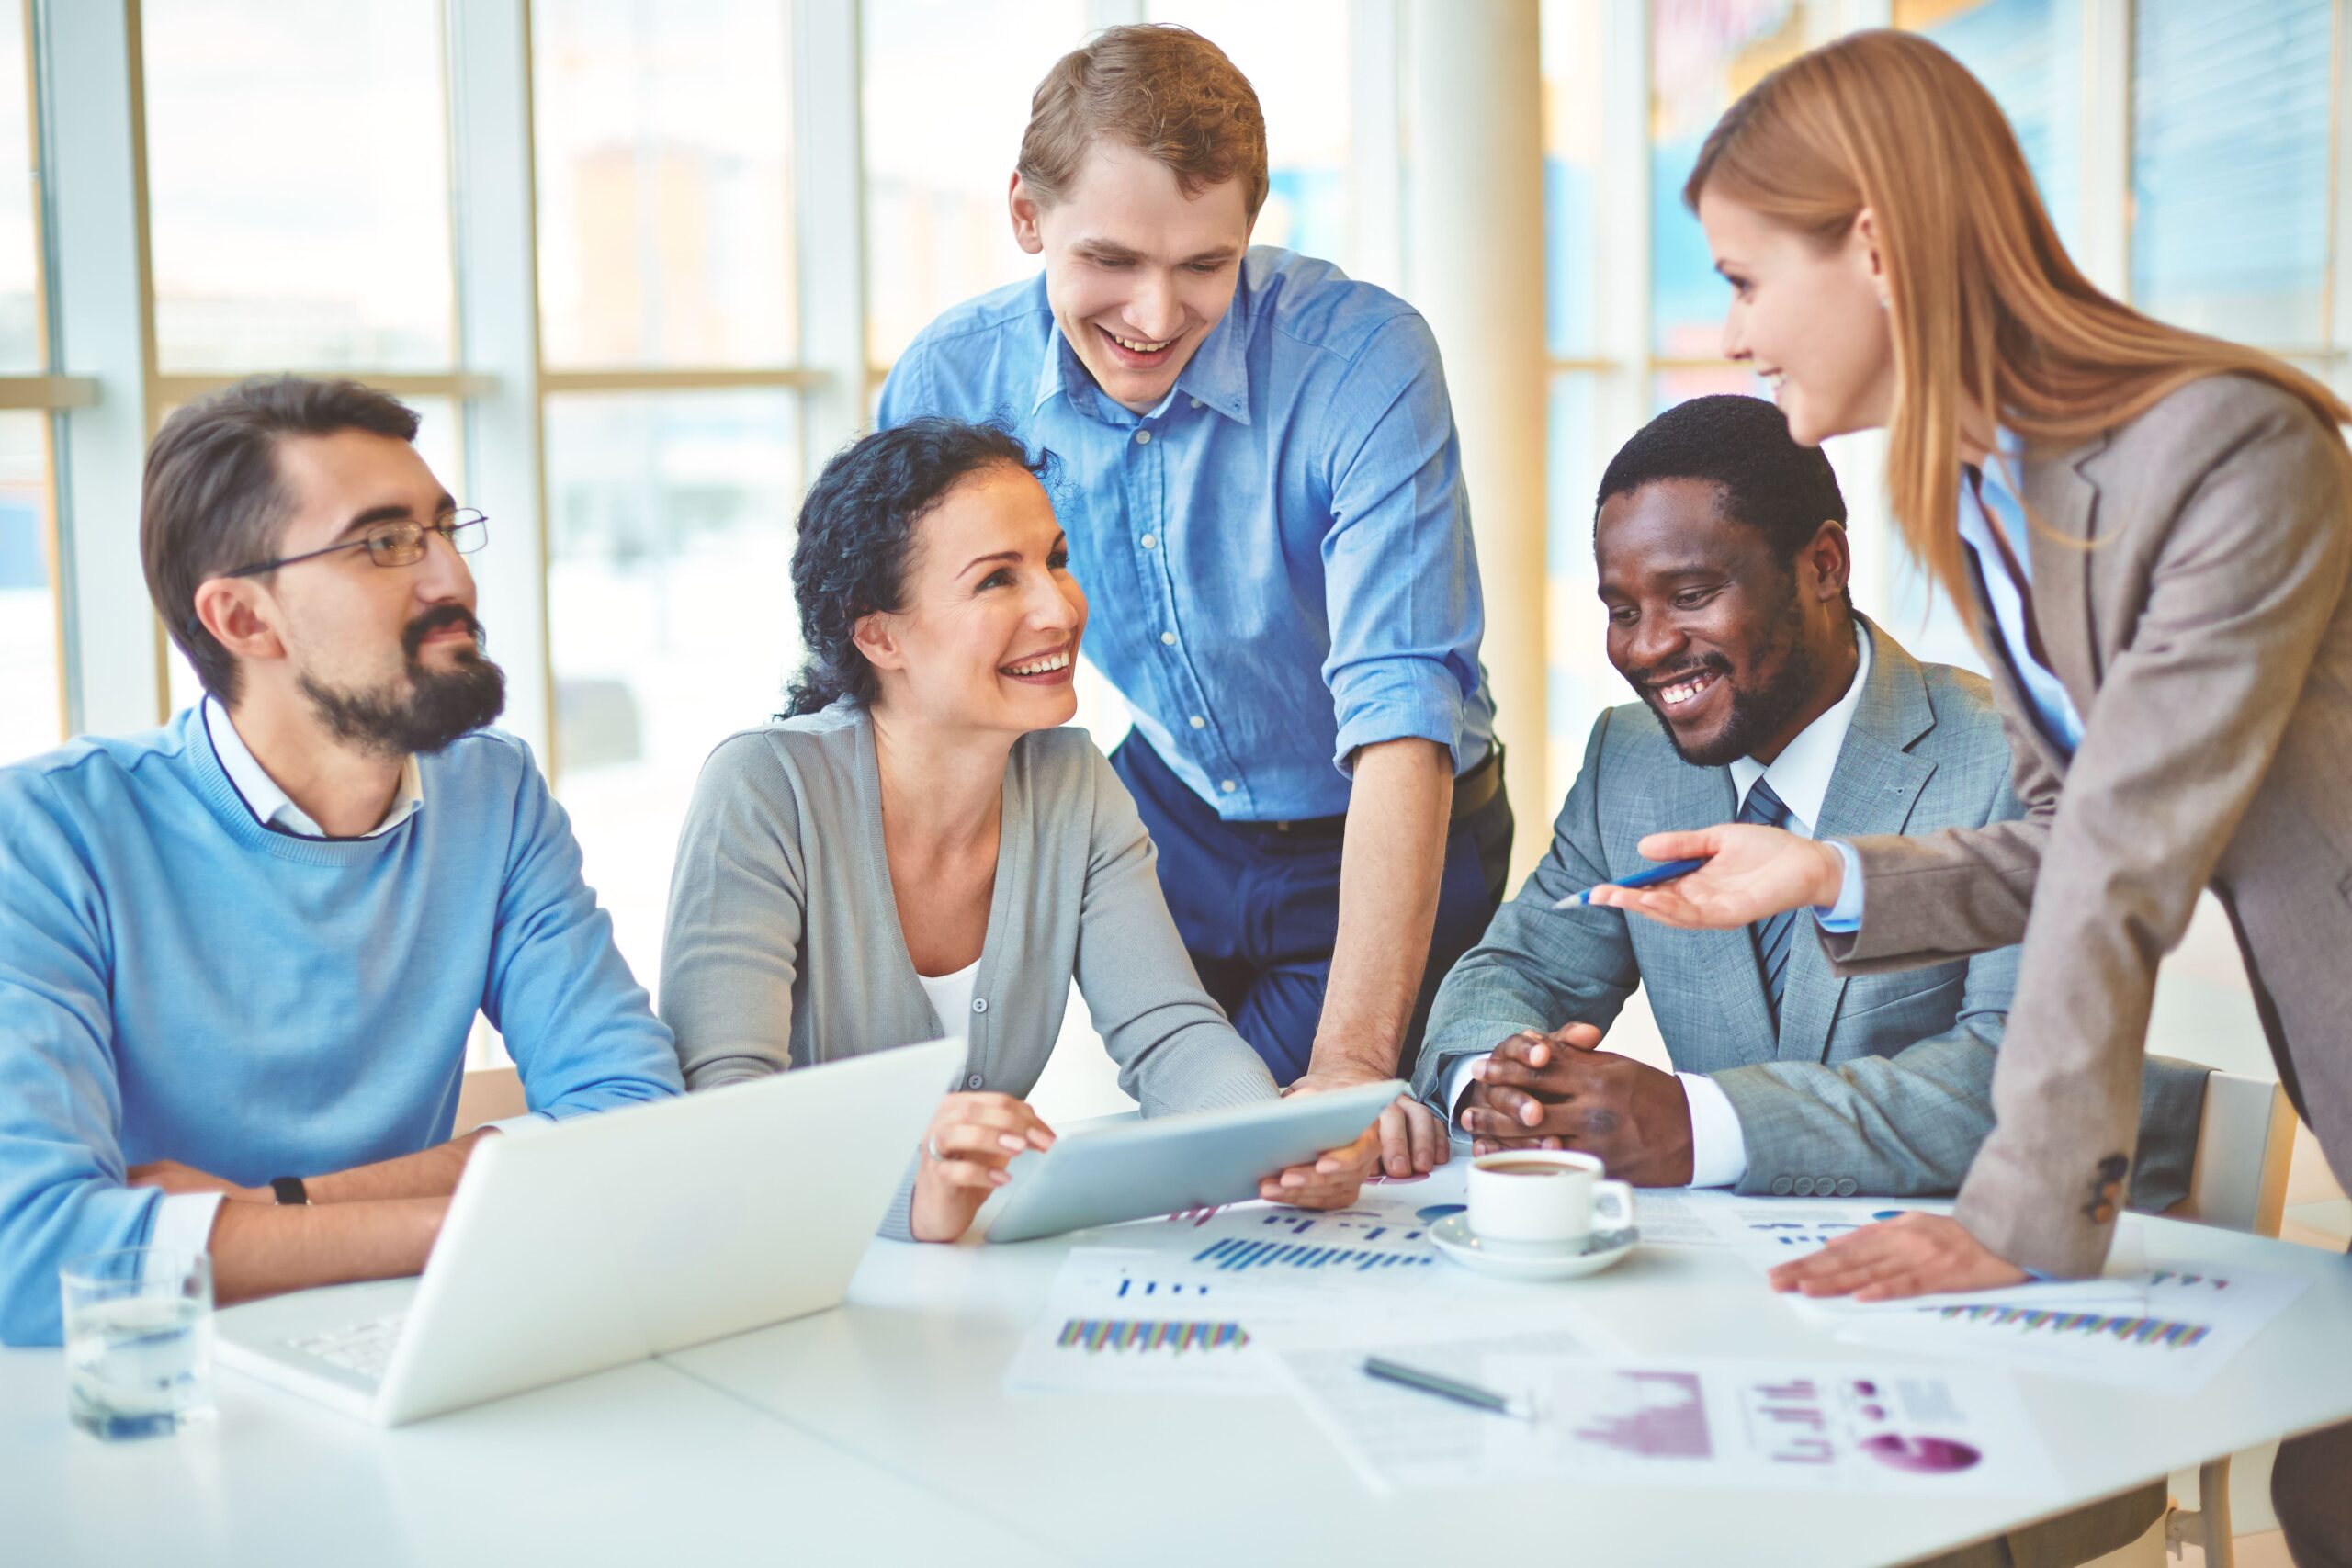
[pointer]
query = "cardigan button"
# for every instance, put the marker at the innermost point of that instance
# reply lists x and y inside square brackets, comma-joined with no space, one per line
[972,1082]
[980,1004]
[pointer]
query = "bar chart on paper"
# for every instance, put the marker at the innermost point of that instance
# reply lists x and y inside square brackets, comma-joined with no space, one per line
[1653,1415]
[2190,1324]
[1120,1320]
[1094,1336]
[1238,1240]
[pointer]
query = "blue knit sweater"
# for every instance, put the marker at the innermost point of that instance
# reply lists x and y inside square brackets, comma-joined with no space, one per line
[179,982]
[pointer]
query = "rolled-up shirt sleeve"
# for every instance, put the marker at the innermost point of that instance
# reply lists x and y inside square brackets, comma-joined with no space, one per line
[1400,572]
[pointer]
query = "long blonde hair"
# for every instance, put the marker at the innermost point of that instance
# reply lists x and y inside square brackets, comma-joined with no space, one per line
[1987,310]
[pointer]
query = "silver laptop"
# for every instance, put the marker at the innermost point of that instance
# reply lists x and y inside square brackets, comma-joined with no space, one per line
[610,1238]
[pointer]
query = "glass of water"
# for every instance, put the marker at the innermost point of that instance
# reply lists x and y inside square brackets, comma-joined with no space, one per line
[138,1341]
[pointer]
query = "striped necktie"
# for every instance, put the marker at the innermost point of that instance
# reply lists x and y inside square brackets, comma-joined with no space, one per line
[1773,933]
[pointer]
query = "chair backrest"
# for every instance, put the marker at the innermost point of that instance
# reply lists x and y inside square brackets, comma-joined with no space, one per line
[2245,1137]
[492,1094]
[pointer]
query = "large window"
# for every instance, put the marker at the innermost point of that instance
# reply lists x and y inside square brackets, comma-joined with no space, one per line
[2231,125]
[1704,54]
[946,87]
[667,281]
[2029,53]
[299,160]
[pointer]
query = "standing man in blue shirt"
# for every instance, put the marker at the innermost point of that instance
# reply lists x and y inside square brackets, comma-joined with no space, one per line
[1264,494]
[239,956]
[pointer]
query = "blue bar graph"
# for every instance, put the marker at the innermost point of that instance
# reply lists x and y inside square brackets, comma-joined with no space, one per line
[1234,1255]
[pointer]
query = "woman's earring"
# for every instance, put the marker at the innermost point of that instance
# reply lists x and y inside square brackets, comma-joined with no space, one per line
[1882,300]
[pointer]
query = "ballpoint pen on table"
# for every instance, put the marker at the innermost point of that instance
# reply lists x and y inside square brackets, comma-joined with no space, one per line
[1448,1388]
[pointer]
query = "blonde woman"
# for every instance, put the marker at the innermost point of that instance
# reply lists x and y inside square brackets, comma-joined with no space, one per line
[2146,530]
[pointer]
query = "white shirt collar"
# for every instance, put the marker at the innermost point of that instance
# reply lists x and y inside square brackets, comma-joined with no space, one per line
[1800,775]
[271,806]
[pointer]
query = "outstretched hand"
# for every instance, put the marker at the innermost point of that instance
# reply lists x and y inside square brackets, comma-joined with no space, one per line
[1752,872]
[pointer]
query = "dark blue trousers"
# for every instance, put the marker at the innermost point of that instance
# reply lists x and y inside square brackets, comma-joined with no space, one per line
[1258,905]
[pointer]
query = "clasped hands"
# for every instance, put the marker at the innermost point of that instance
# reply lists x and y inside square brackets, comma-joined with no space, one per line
[975,1136]
[1560,1090]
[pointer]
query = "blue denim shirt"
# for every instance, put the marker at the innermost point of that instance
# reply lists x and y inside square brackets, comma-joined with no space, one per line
[1278,555]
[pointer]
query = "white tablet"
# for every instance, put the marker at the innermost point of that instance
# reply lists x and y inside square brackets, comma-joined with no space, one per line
[1132,1170]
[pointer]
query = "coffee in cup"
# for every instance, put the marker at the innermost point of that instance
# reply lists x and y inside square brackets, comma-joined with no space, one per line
[1544,1197]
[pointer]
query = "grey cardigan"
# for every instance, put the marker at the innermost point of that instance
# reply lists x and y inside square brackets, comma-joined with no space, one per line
[783,947]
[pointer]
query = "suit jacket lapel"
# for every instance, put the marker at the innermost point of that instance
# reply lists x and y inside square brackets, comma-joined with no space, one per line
[1872,789]
[2061,504]
[1692,797]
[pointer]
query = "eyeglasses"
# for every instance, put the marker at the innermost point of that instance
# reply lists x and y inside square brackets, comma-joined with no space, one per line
[394,544]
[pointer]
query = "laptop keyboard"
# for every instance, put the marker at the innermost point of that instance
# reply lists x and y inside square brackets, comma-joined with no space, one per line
[363,1348]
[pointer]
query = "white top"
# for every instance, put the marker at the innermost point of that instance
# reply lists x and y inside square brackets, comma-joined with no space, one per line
[951,996]
[1800,776]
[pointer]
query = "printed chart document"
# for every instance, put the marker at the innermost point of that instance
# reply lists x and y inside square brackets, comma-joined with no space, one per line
[1847,1426]
[1121,1321]
[2187,1326]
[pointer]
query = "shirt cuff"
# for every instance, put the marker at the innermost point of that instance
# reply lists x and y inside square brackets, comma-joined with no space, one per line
[1457,1084]
[1846,914]
[1398,698]
[184,1222]
[1718,1148]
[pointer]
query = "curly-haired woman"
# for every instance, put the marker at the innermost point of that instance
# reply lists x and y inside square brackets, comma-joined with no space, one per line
[917,847]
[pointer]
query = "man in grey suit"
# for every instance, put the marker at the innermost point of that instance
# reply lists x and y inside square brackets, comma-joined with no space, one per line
[1723,565]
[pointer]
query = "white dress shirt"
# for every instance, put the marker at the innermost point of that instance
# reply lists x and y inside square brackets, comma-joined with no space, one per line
[1800,776]
[184,1222]
[272,806]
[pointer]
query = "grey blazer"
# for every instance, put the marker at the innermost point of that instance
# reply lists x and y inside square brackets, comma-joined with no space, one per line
[1877,1084]
[783,947]
[2189,576]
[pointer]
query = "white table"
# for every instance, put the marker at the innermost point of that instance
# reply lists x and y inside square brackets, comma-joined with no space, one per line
[636,1466]
[911,1377]
[881,1433]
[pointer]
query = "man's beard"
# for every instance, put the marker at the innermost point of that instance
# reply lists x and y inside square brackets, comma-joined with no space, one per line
[438,706]
[1756,715]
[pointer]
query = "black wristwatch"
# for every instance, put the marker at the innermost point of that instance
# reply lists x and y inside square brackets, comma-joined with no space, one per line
[289,1190]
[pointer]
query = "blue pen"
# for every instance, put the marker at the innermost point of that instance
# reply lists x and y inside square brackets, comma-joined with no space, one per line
[1666,872]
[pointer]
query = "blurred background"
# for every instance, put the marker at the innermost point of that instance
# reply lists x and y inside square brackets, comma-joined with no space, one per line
[642,264]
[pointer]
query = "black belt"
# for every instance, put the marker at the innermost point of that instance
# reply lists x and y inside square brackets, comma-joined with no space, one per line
[1473,792]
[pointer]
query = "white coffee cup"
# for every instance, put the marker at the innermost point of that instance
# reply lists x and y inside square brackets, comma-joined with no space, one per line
[1547,1197]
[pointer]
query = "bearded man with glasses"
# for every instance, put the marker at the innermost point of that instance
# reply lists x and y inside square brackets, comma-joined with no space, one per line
[241,956]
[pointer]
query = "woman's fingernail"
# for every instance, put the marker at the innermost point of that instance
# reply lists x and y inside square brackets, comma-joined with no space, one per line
[1010,1142]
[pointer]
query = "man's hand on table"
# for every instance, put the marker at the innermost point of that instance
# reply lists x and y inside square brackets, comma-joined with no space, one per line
[1409,1140]
[1908,1256]
[1561,1091]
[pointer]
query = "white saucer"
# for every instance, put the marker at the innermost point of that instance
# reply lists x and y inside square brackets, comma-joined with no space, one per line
[1530,1261]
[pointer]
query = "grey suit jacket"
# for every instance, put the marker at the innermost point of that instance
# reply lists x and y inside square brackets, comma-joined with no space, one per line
[2189,574]
[1878,1084]
[783,947]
